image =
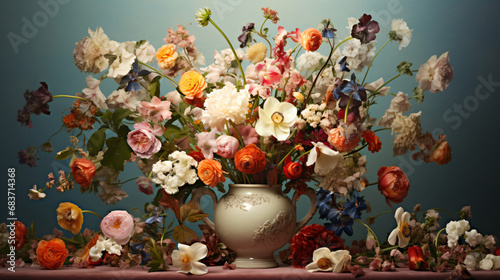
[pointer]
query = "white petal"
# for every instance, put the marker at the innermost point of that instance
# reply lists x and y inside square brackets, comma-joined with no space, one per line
[313,155]
[327,151]
[406,217]
[288,110]
[320,253]
[270,105]
[183,247]
[264,129]
[280,134]
[393,236]
[402,240]
[265,116]
[198,251]
[291,122]
[398,214]
[176,258]
[198,268]
[312,267]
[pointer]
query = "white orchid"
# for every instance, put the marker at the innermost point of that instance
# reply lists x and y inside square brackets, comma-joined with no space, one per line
[187,258]
[402,231]
[325,158]
[276,118]
[325,260]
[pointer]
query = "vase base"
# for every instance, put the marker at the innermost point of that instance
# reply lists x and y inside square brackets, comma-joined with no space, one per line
[255,263]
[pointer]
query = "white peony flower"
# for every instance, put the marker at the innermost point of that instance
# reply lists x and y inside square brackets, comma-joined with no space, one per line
[122,64]
[175,172]
[145,53]
[376,85]
[187,258]
[324,158]
[473,237]
[408,129]
[402,32]
[104,244]
[94,94]
[225,104]
[309,61]
[276,118]
[436,74]
[90,52]
[402,232]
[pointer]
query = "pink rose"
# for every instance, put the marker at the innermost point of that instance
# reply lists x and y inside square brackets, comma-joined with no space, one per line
[143,140]
[155,111]
[248,134]
[118,225]
[227,146]
[145,185]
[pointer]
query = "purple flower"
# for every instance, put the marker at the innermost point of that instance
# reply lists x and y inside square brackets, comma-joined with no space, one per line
[28,156]
[37,102]
[244,37]
[365,29]
[132,78]
[350,92]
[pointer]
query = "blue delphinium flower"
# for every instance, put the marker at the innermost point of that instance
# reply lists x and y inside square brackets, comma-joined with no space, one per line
[350,90]
[353,208]
[343,64]
[138,248]
[131,79]
[341,224]
[323,202]
[328,32]
[155,218]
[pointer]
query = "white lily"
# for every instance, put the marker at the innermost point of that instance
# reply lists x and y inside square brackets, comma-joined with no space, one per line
[402,231]
[276,118]
[187,258]
[325,158]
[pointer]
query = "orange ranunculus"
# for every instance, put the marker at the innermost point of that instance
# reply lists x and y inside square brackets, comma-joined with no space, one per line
[337,138]
[292,170]
[442,154]
[250,160]
[210,172]
[20,232]
[416,261]
[374,143]
[192,84]
[166,56]
[83,171]
[393,183]
[311,39]
[70,217]
[51,254]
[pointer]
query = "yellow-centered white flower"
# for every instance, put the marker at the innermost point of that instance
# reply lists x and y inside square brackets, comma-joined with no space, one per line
[402,232]
[325,158]
[187,258]
[325,260]
[276,118]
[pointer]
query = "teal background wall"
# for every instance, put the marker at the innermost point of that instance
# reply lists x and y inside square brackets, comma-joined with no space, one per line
[467,29]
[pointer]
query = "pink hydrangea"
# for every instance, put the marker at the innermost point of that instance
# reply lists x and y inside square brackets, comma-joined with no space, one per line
[143,139]
[145,185]
[118,225]
[155,111]
[227,146]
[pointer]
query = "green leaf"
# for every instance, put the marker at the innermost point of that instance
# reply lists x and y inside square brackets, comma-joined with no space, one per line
[183,234]
[189,213]
[404,68]
[106,117]
[96,141]
[118,115]
[66,153]
[264,31]
[123,131]
[154,87]
[116,155]
[418,94]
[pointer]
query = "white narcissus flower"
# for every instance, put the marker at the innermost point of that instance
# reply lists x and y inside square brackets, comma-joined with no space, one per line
[325,159]
[325,260]
[276,118]
[402,231]
[187,258]
[402,32]
[436,74]
[94,93]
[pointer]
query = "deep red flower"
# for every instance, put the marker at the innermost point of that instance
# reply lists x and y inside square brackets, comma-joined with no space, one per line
[497,251]
[292,170]
[416,261]
[309,239]
[374,143]
[197,154]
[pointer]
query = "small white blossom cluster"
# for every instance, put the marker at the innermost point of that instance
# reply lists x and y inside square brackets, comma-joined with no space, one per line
[454,230]
[104,244]
[175,172]
[313,113]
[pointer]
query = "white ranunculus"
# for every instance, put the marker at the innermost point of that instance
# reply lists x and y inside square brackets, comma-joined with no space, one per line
[187,258]
[276,118]
[402,231]
[402,31]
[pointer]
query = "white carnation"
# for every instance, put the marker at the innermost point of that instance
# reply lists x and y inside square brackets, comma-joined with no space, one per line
[225,104]
[402,31]
[175,172]
[473,237]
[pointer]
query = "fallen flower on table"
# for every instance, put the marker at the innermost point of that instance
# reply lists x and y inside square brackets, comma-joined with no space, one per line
[51,254]
[187,258]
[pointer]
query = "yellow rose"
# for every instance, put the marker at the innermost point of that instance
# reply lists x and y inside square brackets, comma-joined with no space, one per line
[192,85]
[166,56]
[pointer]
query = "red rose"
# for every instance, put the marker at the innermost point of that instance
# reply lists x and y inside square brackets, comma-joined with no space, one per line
[393,184]
[309,239]
[416,261]
[20,233]
[83,171]
[292,170]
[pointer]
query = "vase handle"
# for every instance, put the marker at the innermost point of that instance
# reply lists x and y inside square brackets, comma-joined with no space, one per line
[196,196]
[312,210]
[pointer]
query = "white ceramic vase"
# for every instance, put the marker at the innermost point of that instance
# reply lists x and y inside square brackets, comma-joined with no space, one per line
[255,220]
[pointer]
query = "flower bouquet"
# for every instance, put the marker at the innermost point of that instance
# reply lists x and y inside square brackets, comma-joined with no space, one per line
[274,112]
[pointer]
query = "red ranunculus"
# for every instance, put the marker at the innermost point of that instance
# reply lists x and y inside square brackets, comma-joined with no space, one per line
[20,232]
[416,261]
[292,170]
[374,143]
[83,171]
[309,239]
[393,183]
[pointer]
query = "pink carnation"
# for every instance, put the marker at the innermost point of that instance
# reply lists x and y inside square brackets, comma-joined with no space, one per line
[155,111]
[118,225]
[145,185]
[143,140]
[227,146]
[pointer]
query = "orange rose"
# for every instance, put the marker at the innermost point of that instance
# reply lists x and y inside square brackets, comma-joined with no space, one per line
[442,154]
[393,184]
[192,84]
[210,172]
[337,138]
[83,171]
[51,254]
[166,56]
[292,170]
[20,233]
[311,39]
[70,217]
[250,160]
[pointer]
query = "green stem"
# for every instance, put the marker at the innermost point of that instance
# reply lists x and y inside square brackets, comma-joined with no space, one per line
[293,149]
[242,144]
[371,184]
[231,46]
[297,54]
[121,183]
[381,129]
[70,96]
[370,231]
[437,238]
[92,212]
[388,249]
[172,81]
[371,63]
[347,110]
[55,133]
[263,25]
[358,149]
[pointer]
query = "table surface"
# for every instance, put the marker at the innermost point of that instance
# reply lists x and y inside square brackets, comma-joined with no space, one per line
[216,272]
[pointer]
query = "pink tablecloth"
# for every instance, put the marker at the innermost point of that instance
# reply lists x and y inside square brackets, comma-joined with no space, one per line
[113,273]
